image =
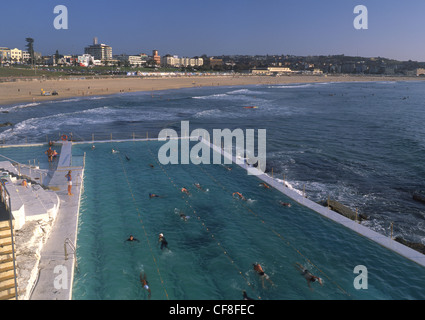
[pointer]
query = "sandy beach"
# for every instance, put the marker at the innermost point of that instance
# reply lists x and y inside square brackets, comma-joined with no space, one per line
[30,90]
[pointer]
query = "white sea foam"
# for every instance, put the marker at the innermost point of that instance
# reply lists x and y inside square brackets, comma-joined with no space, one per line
[245,92]
[287,184]
[19,106]
[305,85]
[212,96]
[207,113]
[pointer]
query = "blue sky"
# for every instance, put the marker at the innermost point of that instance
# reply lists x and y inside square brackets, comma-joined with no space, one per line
[189,28]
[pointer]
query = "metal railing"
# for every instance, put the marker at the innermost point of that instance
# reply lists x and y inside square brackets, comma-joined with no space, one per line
[74,250]
[6,200]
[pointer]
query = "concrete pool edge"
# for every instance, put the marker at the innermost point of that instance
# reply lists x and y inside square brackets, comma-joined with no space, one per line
[56,271]
[382,240]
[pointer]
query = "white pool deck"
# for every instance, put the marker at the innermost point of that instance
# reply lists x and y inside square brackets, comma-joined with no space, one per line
[56,273]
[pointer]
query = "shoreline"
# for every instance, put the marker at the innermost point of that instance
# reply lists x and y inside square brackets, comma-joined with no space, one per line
[29,91]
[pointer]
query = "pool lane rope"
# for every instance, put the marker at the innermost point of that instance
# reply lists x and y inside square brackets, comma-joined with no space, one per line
[225,252]
[279,235]
[143,227]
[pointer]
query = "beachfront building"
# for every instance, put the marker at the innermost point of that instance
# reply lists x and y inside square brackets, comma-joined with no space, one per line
[87,60]
[420,72]
[132,61]
[271,70]
[156,58]
[100,51]
[25,56]
[15,55]
[214,62]
[4,54]
[176,62]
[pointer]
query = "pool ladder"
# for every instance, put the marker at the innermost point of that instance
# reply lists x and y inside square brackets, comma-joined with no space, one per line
[71,245]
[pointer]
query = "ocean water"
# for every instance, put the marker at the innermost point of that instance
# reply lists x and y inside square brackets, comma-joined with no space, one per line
[361,143]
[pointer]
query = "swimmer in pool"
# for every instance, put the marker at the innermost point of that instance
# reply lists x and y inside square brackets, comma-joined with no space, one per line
[308,275]
[131,238]
[262,274]
[265,185]
[183,216]
[184,190]
[164,243]
[145,283]
[285,204]
[245,296]
[240,195]
[198,186]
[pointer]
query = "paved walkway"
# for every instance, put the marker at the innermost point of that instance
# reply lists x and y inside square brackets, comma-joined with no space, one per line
[56,272]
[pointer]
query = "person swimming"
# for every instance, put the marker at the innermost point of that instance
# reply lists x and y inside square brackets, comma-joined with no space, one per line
[261,273]
[285,204]
[308,275]
[245,296]
[240,195]
[164,243]
[145,283]
[153,195]
[265,185]
[198,186]
[131,238]
[183,216]
[184,190]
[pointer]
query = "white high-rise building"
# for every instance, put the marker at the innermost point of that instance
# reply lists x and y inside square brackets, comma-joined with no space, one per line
[101,51]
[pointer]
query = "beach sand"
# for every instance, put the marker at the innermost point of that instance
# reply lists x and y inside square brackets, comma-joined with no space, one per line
[30,90]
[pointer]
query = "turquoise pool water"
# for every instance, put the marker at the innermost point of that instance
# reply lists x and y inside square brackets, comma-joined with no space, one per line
[28,155]
[211,254]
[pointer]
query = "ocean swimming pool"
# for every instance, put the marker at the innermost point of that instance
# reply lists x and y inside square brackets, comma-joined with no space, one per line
[211,254]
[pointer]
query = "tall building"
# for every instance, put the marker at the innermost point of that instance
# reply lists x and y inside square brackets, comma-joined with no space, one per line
[156,57]
[101,51]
